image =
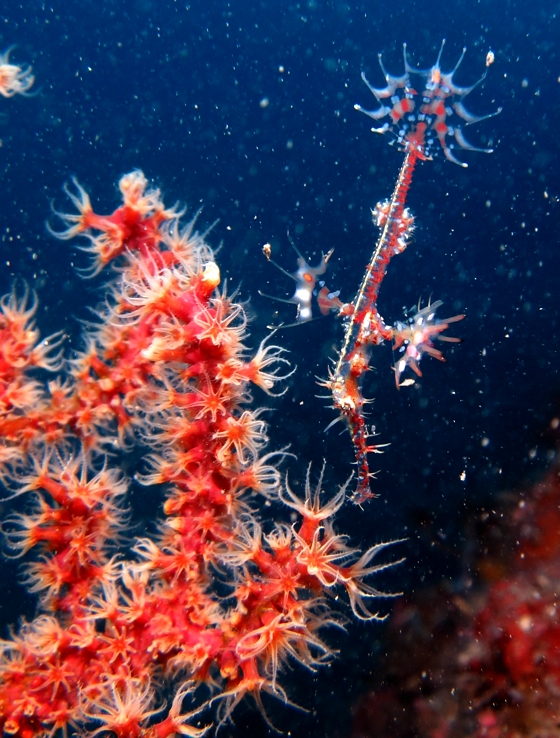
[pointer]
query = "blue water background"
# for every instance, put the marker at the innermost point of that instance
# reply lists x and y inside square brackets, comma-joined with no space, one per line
[246,109]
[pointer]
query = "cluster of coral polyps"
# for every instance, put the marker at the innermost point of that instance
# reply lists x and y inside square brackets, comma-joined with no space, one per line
[14,80]
[484,662]
[216,596]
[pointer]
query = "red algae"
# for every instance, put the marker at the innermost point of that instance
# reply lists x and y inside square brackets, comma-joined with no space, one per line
[484,662]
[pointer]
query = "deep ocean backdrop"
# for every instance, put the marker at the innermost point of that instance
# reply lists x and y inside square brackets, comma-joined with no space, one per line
[246,110]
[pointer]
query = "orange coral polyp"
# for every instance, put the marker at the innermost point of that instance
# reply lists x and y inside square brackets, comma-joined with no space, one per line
[245,434]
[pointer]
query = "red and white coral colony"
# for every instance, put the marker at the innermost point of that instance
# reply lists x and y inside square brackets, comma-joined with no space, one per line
[166,368]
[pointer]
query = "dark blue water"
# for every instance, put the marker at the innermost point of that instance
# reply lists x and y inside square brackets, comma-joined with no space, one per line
[247,109]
